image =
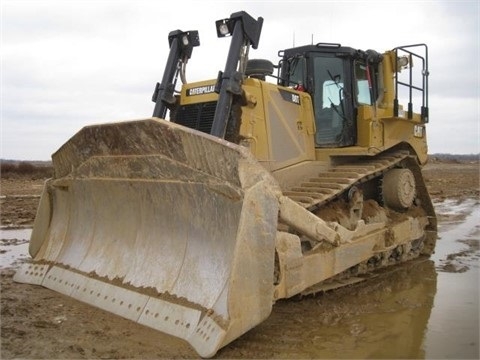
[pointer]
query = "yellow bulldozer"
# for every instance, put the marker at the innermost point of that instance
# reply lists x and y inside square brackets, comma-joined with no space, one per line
[266,182]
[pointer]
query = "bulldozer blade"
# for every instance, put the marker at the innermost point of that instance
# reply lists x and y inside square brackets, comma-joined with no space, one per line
[160,224]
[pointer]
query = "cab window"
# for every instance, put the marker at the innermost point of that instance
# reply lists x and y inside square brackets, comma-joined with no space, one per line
[297,72]
[362,84]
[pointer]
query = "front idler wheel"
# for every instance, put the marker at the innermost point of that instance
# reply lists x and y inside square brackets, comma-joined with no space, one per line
[399,189]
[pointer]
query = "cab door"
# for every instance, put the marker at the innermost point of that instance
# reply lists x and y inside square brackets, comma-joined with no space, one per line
[332,101]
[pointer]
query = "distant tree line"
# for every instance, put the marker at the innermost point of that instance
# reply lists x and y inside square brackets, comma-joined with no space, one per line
[455,157]
[10,169]
[13,169]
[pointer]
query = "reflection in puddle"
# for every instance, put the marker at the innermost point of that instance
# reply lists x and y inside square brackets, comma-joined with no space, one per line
[423,309]
[385,317]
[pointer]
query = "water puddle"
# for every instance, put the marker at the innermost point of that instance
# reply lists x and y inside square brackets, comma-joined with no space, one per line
[463,225]
[453,327]
[13,247]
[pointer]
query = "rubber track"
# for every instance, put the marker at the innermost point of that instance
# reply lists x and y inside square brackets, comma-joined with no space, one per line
[330,184]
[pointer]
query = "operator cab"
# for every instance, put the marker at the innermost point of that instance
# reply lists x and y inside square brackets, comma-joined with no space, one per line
[339,79]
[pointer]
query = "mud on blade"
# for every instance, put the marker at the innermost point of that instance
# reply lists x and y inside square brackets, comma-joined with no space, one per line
[160,224]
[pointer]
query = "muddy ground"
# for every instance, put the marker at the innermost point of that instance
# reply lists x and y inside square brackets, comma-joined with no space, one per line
[39,323]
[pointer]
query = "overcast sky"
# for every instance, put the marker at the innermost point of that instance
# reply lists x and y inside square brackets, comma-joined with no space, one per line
[67,64]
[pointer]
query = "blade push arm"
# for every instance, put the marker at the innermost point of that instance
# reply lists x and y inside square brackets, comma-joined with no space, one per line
[181,47]
[245,31]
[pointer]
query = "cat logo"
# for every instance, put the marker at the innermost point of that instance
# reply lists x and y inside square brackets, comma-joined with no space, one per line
[201,90]
[290,96]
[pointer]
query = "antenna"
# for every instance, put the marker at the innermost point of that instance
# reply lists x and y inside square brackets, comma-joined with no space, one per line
[293,39]
[312,39]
